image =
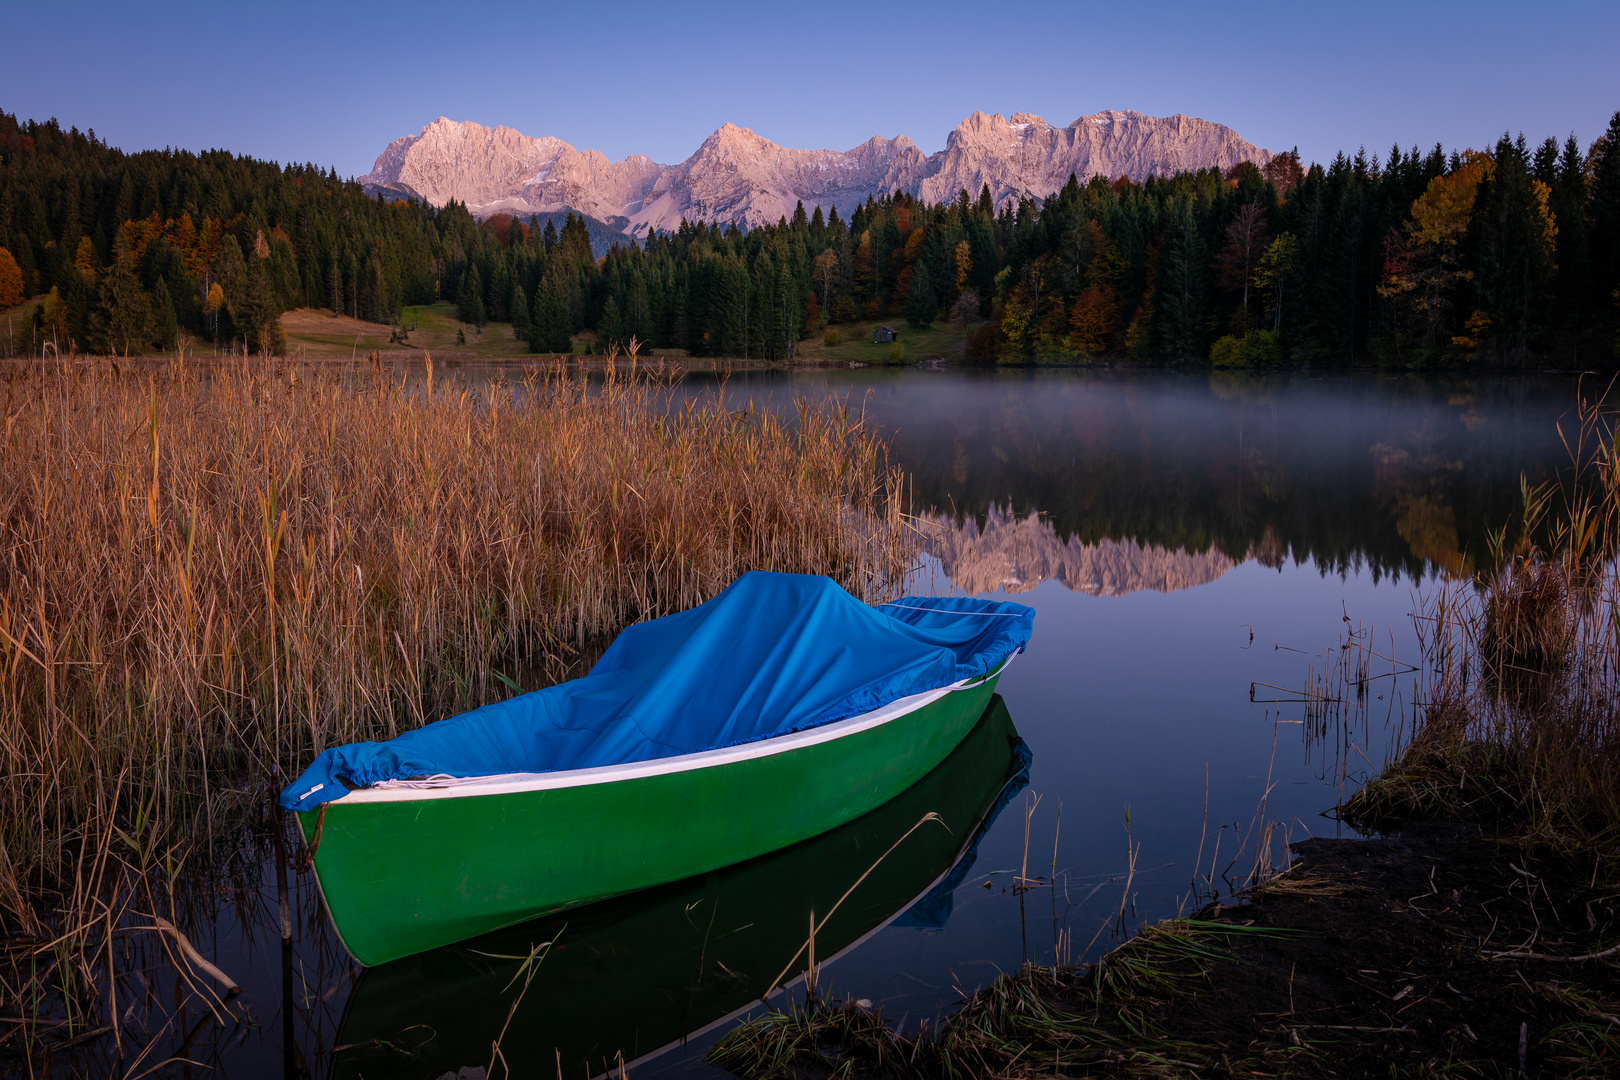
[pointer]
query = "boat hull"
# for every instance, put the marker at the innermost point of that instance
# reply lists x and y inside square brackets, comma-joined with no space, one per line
[425,869]
[631,977]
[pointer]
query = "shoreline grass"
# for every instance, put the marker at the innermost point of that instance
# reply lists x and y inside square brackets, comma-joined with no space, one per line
[1519,722]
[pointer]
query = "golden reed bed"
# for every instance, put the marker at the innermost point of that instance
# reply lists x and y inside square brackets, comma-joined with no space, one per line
[205,572]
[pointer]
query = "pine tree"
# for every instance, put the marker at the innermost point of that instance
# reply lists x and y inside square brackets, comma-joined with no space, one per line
[520,313]
[1517,239]
[165,328]
[921,303]
[1183,271]
[256,310]
[549,330]
[121,321]
[1603,170]
[1574,255]
[470,306]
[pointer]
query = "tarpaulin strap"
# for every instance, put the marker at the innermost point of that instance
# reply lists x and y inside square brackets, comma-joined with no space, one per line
[952,611]
[315,842]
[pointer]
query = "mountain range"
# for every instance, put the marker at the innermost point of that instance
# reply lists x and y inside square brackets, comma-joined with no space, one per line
[740,177]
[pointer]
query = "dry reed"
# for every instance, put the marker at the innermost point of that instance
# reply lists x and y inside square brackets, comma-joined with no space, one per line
[209,573]
[1519,696]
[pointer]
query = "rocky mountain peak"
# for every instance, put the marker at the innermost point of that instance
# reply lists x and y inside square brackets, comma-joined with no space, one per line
[738,175]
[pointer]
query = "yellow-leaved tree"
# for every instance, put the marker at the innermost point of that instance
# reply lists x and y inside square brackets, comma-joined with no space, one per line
[1423,260]
[964,265]
[84,260]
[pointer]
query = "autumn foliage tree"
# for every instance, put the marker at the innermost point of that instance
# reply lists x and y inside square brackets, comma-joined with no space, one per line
[11,280]
[1424,259]
[1094,321]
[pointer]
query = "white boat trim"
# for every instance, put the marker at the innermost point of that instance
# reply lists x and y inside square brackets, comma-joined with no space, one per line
[447,787]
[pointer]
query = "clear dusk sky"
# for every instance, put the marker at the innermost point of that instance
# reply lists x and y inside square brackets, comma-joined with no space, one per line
[333,82]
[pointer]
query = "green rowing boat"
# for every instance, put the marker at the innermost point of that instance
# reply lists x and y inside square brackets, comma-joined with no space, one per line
[632,977]
[405,868]
[780,709]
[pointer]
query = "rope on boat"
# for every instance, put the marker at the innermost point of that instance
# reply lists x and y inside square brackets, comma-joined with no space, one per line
[942,611]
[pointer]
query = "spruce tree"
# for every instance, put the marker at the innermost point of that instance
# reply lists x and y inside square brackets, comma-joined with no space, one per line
[1603,170]
[470,306]
[165,328]
[727,309]
[1514,271]
[549,331]
[638,312]
[1574,256]
[611,325]
[500,291]
[921,304]
[1183,274]
[520,313]
[121,322]
[256,310]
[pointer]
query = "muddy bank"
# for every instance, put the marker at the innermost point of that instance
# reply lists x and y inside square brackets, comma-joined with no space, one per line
[1435,951]
[1439,948]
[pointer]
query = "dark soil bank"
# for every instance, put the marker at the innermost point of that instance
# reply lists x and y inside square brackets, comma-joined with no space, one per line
[1436,952]
[1399,970]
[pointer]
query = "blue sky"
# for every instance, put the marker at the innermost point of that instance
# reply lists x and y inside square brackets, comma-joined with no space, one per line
[333,83]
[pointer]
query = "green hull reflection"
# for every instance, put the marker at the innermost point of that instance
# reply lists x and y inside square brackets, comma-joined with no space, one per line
[632,976]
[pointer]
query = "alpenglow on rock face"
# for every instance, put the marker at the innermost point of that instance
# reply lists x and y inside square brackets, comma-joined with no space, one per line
[738,176]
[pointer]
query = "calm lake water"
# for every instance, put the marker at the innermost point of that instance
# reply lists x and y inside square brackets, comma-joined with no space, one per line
[1183,537]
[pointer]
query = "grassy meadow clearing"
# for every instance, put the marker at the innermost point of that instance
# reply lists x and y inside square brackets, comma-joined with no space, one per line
[320,334]
[938,341]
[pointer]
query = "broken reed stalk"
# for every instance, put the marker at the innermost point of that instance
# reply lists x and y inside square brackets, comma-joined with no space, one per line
[196,958]
[1031,801]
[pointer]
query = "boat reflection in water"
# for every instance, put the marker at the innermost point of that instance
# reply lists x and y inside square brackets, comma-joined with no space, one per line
[631,977]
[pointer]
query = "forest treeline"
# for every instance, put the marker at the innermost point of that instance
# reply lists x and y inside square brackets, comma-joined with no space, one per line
[1507,256]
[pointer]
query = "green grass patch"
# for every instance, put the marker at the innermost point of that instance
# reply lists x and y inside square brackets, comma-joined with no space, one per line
[938,341]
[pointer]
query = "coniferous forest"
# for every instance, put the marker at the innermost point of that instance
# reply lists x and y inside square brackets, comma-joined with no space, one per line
[1503,256]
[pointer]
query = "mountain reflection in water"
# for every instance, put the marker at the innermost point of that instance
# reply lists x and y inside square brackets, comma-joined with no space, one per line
[629,978]
[1018,553]
[1398,474]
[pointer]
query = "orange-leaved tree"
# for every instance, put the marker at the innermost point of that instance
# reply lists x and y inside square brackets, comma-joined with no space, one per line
[11,280]
[1094,320]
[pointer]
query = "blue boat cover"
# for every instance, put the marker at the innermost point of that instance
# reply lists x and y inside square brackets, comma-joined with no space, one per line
[771,655]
